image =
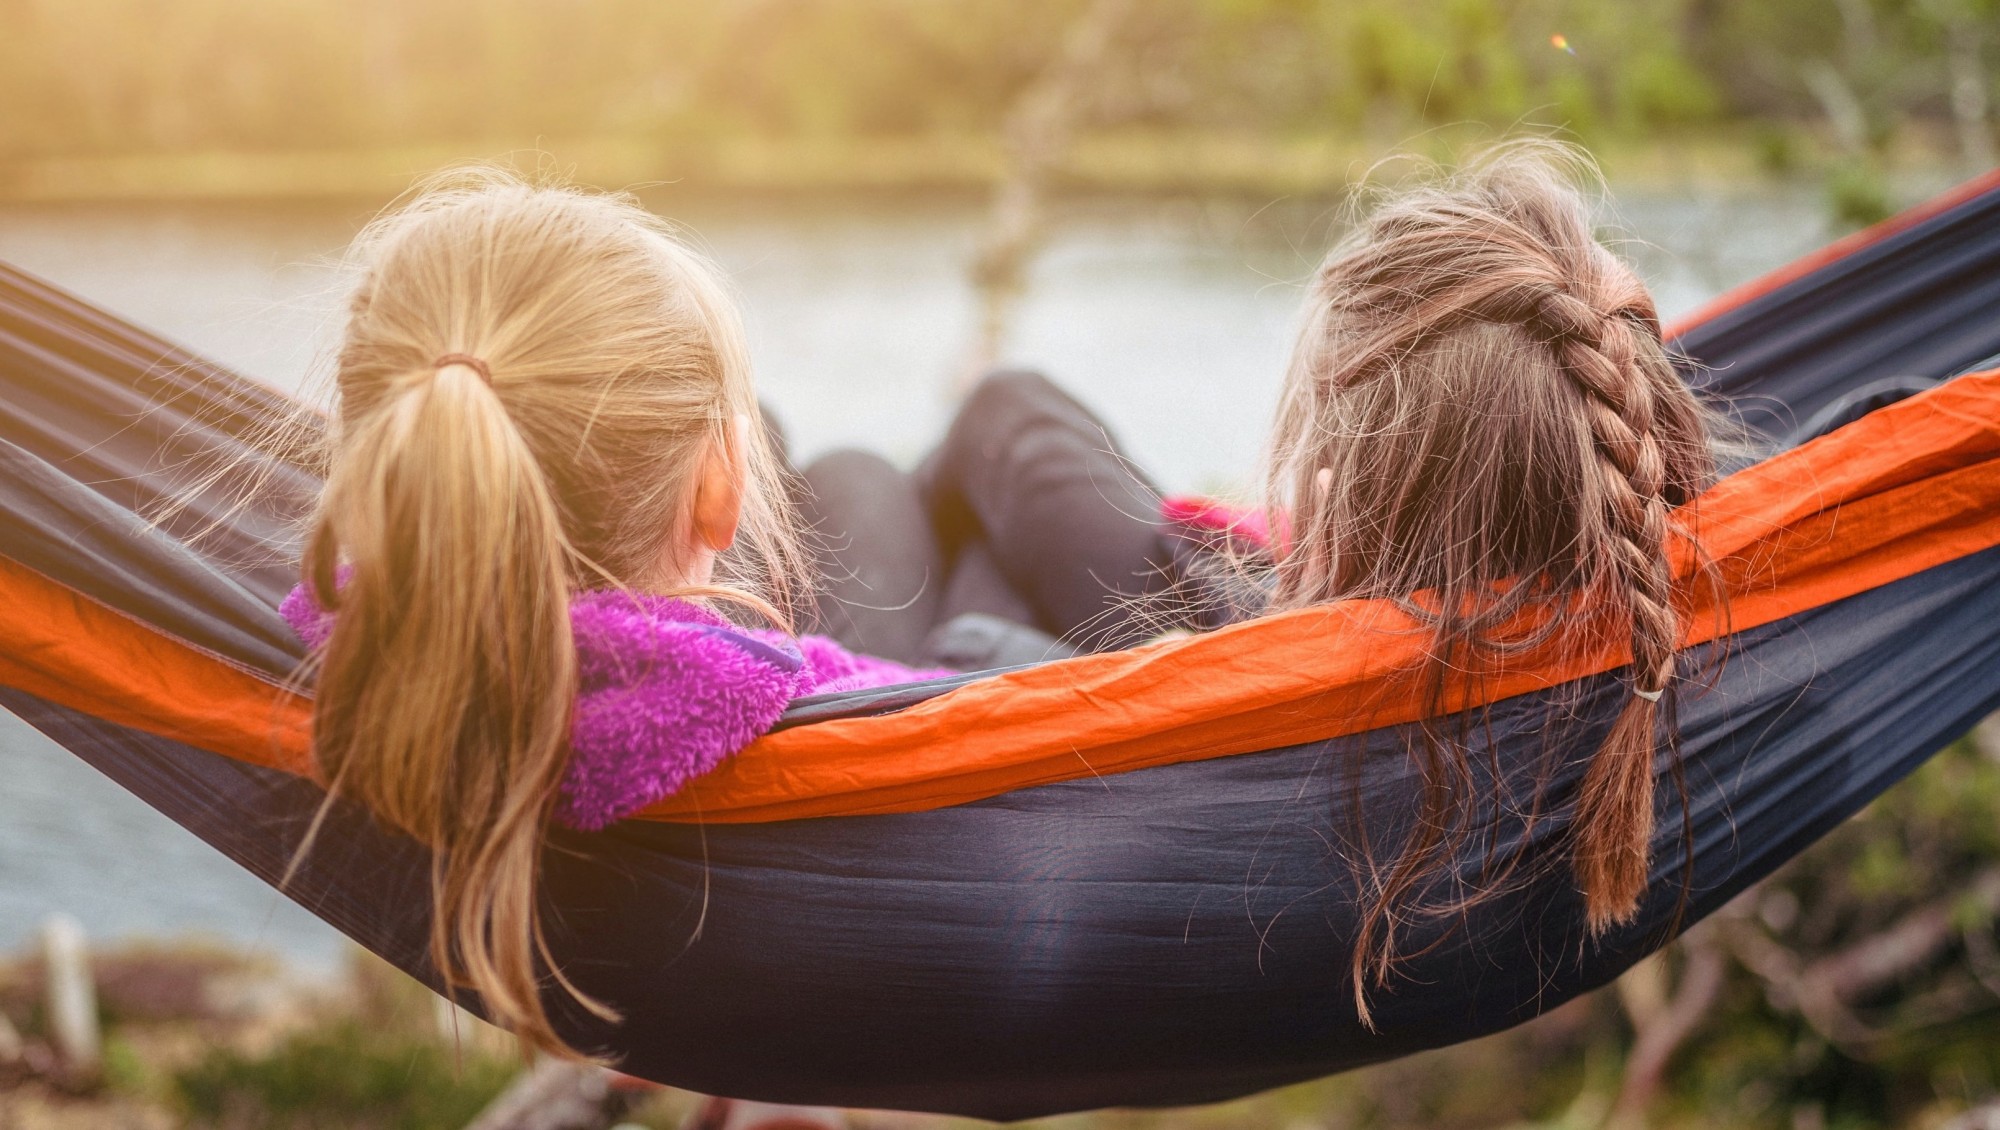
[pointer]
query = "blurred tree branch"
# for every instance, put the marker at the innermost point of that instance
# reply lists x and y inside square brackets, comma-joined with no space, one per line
[1825,991]
[1038,131]
[1662,1021]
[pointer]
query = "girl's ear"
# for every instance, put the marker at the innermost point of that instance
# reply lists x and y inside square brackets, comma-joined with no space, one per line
[718,497]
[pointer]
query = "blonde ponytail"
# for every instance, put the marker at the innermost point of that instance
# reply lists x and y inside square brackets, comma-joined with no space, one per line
[528,380]
[444,692]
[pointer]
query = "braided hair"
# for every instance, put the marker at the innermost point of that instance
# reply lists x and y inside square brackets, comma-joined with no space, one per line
[1481,423]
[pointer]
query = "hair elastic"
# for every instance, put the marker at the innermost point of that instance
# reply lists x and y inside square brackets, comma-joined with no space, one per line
[467,360]
[1649,696]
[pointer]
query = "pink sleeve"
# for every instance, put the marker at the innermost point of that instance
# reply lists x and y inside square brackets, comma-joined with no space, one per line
[1244,525]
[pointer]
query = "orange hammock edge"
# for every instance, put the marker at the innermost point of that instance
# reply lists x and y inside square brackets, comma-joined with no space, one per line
[1910,487]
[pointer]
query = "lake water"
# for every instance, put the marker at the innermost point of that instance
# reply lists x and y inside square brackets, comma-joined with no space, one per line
[1172,319]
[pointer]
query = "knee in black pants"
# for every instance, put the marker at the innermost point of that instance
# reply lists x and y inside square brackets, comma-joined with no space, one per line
[1004,390]
[1034,476]
[881,572]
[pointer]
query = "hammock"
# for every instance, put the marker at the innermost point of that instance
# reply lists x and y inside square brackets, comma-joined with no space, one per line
[1114,880]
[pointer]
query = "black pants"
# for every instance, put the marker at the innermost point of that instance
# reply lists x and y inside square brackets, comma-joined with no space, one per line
[1028,512]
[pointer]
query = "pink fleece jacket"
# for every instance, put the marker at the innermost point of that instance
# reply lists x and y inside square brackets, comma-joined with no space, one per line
[666,691]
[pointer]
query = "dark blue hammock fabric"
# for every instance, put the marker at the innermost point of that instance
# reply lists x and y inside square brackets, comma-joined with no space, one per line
[1172,935]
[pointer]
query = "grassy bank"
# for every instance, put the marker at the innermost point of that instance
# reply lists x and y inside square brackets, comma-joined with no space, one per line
[1121,161]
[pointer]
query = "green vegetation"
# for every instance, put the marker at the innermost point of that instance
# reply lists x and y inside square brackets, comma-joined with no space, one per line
[1856,196]
[377,1061]
[346,1075]
[123,97]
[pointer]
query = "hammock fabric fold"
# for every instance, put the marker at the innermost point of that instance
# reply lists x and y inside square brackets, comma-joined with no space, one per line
[1115,880]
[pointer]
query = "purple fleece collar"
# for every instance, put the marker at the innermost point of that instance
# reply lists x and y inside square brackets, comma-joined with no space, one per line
[666,690]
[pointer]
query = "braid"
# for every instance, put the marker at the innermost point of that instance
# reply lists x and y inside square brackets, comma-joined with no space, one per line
[1481,424]
[1599,354]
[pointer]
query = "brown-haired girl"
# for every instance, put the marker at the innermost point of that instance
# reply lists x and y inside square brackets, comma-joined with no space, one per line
[545,439]
[1479,422]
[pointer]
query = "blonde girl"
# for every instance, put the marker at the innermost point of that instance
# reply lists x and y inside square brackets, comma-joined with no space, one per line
[545,440]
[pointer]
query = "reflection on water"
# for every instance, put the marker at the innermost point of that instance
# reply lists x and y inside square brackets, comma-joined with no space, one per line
[1172,319]
[71,840]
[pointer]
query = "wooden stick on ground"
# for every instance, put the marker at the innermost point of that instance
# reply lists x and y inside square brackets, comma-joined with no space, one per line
[555,1094]
[72,1002]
